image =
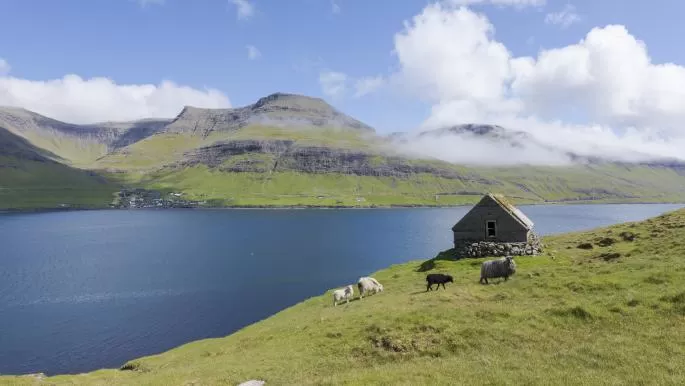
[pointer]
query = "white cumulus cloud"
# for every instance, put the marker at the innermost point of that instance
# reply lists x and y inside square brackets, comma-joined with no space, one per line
[77,100]
[602,95]
[563,18]
[610,78]
[333,84]
[514,3]
[335,7]
[244,8]
[448,54]
[253,53]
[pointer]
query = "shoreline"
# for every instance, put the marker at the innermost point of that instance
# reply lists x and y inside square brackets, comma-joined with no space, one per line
[329,207]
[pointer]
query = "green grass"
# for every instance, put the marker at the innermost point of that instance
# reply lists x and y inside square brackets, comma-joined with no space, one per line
[523,185]
[306,136]
[291,188]
[604,181]
[77,153]
[162,149]
[569,316]
[150,153]
[26,185]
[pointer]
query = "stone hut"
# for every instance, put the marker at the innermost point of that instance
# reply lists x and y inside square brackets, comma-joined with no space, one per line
[495,227]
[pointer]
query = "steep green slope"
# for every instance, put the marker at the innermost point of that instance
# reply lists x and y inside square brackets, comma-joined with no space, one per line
[168,148]
[611,314]
[76,145]
[30,179]
[266,179]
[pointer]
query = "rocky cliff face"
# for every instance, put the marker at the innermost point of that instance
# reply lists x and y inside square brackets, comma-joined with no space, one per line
[284,155]
[127,133]
[274,110]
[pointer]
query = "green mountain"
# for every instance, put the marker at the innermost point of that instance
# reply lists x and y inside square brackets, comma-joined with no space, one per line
[31,178]
[294,150]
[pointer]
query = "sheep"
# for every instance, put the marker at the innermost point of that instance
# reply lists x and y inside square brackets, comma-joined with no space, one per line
[368,285]
[503,267]
[253,382]
[437,278]
[343,294]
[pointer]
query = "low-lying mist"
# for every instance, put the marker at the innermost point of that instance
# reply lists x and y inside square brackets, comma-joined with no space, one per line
[529,142]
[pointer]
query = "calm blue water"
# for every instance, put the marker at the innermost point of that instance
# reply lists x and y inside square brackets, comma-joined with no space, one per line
[86,290]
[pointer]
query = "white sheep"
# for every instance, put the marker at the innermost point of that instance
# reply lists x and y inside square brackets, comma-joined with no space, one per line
[343,294]
[368,285]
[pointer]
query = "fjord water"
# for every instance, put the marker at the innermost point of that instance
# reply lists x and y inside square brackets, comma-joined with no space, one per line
[86,290]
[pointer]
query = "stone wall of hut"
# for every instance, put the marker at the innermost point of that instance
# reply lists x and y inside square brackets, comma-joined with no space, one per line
[465,248]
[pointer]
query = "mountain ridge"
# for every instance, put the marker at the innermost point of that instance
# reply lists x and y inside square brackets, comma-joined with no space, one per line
[288,149]
[275,109]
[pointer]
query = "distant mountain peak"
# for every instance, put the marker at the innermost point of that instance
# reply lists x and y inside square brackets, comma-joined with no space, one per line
[12,109]
[277,109]
[479,130]
[282,96]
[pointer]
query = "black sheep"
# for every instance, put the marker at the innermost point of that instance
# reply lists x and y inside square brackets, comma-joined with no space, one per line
[437,278]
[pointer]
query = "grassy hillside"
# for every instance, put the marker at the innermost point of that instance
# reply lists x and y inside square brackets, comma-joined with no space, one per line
[155,163]
[286,150]
[30,179]
[523,185]
[42,185]
[166,148]
[76,152]
[610,314]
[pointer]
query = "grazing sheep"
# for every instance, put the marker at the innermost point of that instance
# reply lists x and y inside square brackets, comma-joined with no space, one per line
[343,294]
[503,267]
[437,278]
[368,285]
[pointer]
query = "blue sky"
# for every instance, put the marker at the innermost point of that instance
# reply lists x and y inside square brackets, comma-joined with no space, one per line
[203,44]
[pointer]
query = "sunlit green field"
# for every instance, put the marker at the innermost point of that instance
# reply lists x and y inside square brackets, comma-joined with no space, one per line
[44,185]
[522,185]
[612,314]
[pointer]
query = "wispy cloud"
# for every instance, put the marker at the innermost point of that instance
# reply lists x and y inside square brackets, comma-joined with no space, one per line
[368,85]
[512,3]
[4,67]
[563,18]
[335,7]
[245,9]
[253,53]
[306,64]
[469,149]
[333,84]
[145,3]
